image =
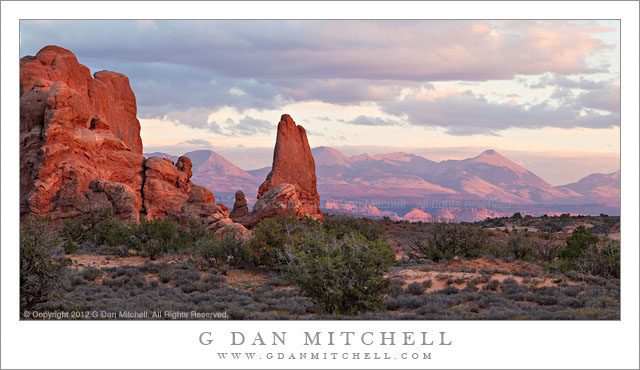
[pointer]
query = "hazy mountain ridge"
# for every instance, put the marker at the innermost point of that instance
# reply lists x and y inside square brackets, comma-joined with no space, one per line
[466,184]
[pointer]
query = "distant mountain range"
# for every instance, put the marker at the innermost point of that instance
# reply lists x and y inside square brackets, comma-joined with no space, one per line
[401,185]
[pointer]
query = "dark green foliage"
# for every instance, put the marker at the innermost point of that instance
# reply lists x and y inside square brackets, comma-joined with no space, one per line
[156,237]
[101,232]
[42,267]
[272,235]
[520,245]
[580,241]
[342,276]
[69,246]
[343,225]
[577,243]
[216,252]
[600,259]
[444,241]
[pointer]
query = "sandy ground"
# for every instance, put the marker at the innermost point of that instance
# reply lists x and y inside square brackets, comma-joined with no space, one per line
[439,274]
[98,261]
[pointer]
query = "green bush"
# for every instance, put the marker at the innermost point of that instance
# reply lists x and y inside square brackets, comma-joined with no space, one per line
[520,245]
[343,225]
[444,241]
[157,237]
[271,236]
[600,259]
[342,276]
[580,241]
[42,267]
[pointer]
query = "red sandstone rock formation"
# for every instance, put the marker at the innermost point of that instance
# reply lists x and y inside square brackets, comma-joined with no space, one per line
[166,186]
[80,150]
[240,211]
[293,164]
[280,201]
[117,197]
[74,129]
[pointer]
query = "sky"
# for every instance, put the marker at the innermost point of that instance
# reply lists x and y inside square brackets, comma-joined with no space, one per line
[544,93]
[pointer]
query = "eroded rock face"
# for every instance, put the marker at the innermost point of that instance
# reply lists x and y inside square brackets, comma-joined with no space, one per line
[280,201]
[293,164]
[74,128]
[80,150]
[115,196]
[166,186]
[240,211]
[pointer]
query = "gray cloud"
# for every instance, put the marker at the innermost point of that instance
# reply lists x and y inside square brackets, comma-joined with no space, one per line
[371,121]
[604,98]
[183,70]
[555,80]
[249,126]
[198,142]
[395,50]
[467,114]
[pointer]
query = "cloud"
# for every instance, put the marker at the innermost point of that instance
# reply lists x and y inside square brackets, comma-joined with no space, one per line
[464,113]
[248,126]
[604,98]
[199,142]
[556,80]
[342,91]
[316,49]
[182,70]
[372,121]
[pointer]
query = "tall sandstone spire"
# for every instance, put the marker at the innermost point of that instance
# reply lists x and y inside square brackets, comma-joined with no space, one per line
[294,164]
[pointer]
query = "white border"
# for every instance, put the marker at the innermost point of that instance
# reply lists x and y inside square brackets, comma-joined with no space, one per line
[174,344]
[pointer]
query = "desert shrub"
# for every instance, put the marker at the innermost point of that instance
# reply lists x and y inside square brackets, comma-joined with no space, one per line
[211,251]
[90,273]
[69,246]
[342,276]
[448,290]
[600,259]
[519,245]
[492,285]
[111,233]
[396,287]
[343,225]
[546,247]
[415,288]
[42,267]
[484,278]
[470,287]
[271,236]
[157,237]
[580,241]
[444,241]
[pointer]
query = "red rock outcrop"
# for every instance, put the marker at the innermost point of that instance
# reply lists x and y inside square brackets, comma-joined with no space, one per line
[166,186]
[117,197]
[74,128]
[80,150]
[293,164]
[240,211]
[280,201]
